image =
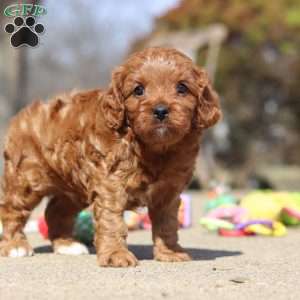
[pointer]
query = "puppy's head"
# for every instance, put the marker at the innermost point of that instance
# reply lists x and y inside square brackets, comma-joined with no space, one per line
[162,96]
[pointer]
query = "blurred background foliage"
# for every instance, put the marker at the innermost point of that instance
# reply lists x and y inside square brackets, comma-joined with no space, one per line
[258,75]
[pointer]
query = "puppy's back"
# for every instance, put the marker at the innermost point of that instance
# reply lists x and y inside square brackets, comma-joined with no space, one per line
[41,124]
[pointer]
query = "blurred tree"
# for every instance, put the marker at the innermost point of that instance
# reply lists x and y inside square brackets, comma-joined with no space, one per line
[258,76]
[84,40]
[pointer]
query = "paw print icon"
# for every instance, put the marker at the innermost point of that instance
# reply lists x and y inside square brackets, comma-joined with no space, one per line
[24,32]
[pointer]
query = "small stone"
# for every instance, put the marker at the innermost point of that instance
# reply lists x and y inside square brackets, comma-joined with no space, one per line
[221,269]
[239,279]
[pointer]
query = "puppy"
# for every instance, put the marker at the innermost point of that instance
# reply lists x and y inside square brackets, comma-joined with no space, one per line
[134,144]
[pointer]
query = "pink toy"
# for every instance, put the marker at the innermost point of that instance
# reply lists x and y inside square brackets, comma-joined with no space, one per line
[185,211]
[234,214]
[184,214]
[292,212]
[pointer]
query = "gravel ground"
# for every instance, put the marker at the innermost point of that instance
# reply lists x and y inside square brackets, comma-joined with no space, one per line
[224,268]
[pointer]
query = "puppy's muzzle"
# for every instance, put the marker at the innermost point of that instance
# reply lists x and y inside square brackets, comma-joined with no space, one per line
[160,112]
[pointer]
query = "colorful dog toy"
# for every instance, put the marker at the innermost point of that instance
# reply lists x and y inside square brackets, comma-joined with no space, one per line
[43,227]
[223,200]
[261,206]
[233,232]
[234,214]
[84,227]
[276,229]
[290,216]
[259,213]
[244,225]
[215,224]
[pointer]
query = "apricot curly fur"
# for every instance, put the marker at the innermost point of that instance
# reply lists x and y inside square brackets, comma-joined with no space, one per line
[106,148]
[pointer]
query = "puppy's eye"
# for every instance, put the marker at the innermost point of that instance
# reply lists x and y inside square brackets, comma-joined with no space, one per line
[182,89]
[139,90]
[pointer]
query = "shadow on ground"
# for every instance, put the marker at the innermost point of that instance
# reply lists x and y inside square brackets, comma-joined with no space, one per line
[144,252]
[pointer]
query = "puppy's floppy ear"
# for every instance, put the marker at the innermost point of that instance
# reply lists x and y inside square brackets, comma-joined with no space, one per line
[208,110]
[112,103]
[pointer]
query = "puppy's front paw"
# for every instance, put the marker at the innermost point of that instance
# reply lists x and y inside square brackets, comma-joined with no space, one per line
[120,258]
[171,256]
[20,248]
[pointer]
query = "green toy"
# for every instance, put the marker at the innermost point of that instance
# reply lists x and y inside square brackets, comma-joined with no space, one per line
[84,227]
[290,216]
[223,200]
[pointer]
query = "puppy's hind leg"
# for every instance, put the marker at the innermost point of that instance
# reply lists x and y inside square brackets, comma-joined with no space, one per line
[15,209]
[60,216]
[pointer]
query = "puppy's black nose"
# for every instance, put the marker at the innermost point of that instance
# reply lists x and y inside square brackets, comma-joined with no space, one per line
[160,112]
